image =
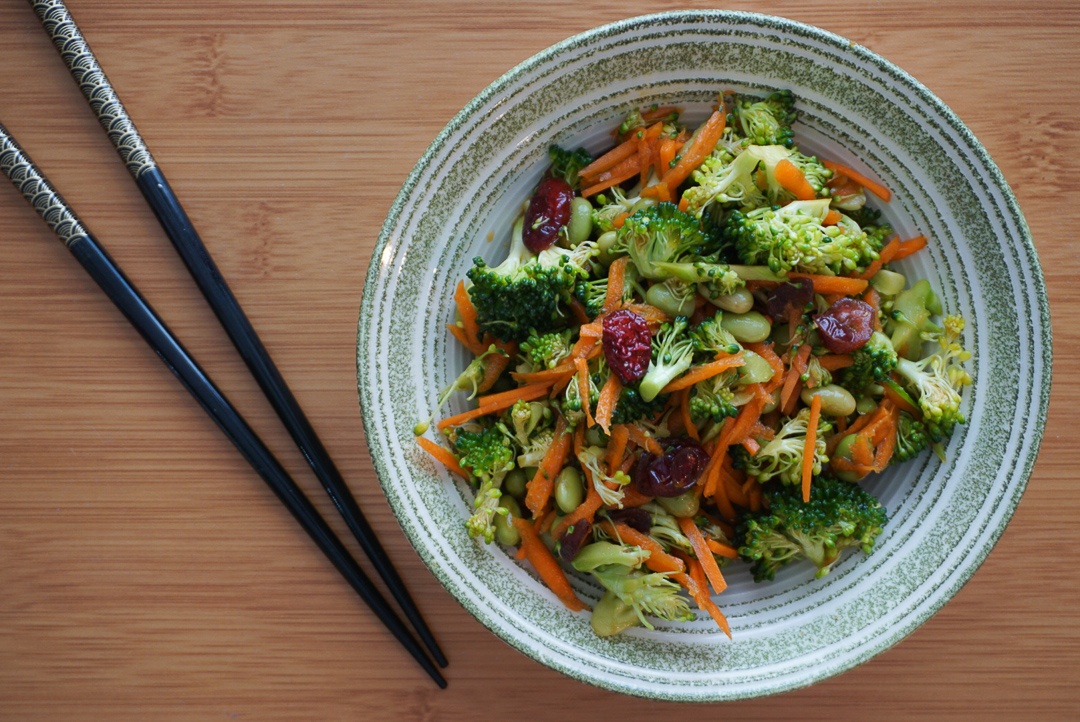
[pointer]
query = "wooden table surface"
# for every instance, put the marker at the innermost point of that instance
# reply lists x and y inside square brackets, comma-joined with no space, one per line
[145,571]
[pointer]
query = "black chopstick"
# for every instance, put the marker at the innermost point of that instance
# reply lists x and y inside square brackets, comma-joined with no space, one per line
[17,166]
[90,78]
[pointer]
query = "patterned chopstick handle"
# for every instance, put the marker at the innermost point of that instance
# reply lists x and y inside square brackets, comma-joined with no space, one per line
[91,80]
[35,187]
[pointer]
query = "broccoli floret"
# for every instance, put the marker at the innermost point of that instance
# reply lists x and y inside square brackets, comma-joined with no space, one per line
[710,338]
[659,234]
[647,593]
[591,458]
[725,178]
[565,164]
[613,203]
[469,380]
[715,279]
[529,425]
[911,439]
[713,399]
[793,238]
[749,178]
[664,529]
[935,381]
[631,407]
[768,121]
[548,350]
[782,456]
[487,455]
[672,354]
[838,516]
[526,291]
[872,363]
[592,294]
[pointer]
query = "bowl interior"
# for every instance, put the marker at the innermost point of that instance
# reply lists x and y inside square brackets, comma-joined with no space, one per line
[855,108]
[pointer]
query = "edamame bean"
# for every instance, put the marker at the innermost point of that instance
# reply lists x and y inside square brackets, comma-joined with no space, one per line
[749,327]
[661,296]
[604,245]
[682,505]
[505,531]
[594,436]
[836,401]
[755,369]
[569,491]
[579,228]
[514,483]
[843,451]
[739,302]
[865,404]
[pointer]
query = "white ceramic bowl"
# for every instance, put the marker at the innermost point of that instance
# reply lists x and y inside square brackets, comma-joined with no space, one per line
[856,108]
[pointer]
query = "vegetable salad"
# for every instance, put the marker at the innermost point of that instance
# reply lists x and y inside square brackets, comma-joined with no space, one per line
[694,352]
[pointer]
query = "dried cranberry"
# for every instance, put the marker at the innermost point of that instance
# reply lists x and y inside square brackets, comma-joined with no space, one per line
[673,472]
[634,517]
[574,539]
[627,345]
[788,298]
[846,326]
[548,212]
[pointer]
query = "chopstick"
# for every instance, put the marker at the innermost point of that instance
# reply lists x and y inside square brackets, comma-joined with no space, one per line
[35,187]
[88,75]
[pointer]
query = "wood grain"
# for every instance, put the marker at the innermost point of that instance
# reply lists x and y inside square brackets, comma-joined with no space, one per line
[145,571]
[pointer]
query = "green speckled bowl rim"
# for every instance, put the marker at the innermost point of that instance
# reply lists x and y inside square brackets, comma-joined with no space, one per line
[1025,285]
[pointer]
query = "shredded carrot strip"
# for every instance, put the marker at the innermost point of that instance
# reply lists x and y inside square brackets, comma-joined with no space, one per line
[910,246]
[886,254]
[835,361]
[583,389]
[701,597]
[546,566]
[798,368]
[616,283]
[658,191]
[496,402]
[623,171]
[585,511]
[663,112]
[645,441]
[616,448]
[793,181]
[811,446]
[609,160]
[703,553]
[538,489]
[831,218]
[702,372]
[722,550]
[546,375]
[609,399]
[833,284]
[700,146]
[461,335]
[494,365]
[441,455]
[874,187]
[467,311]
